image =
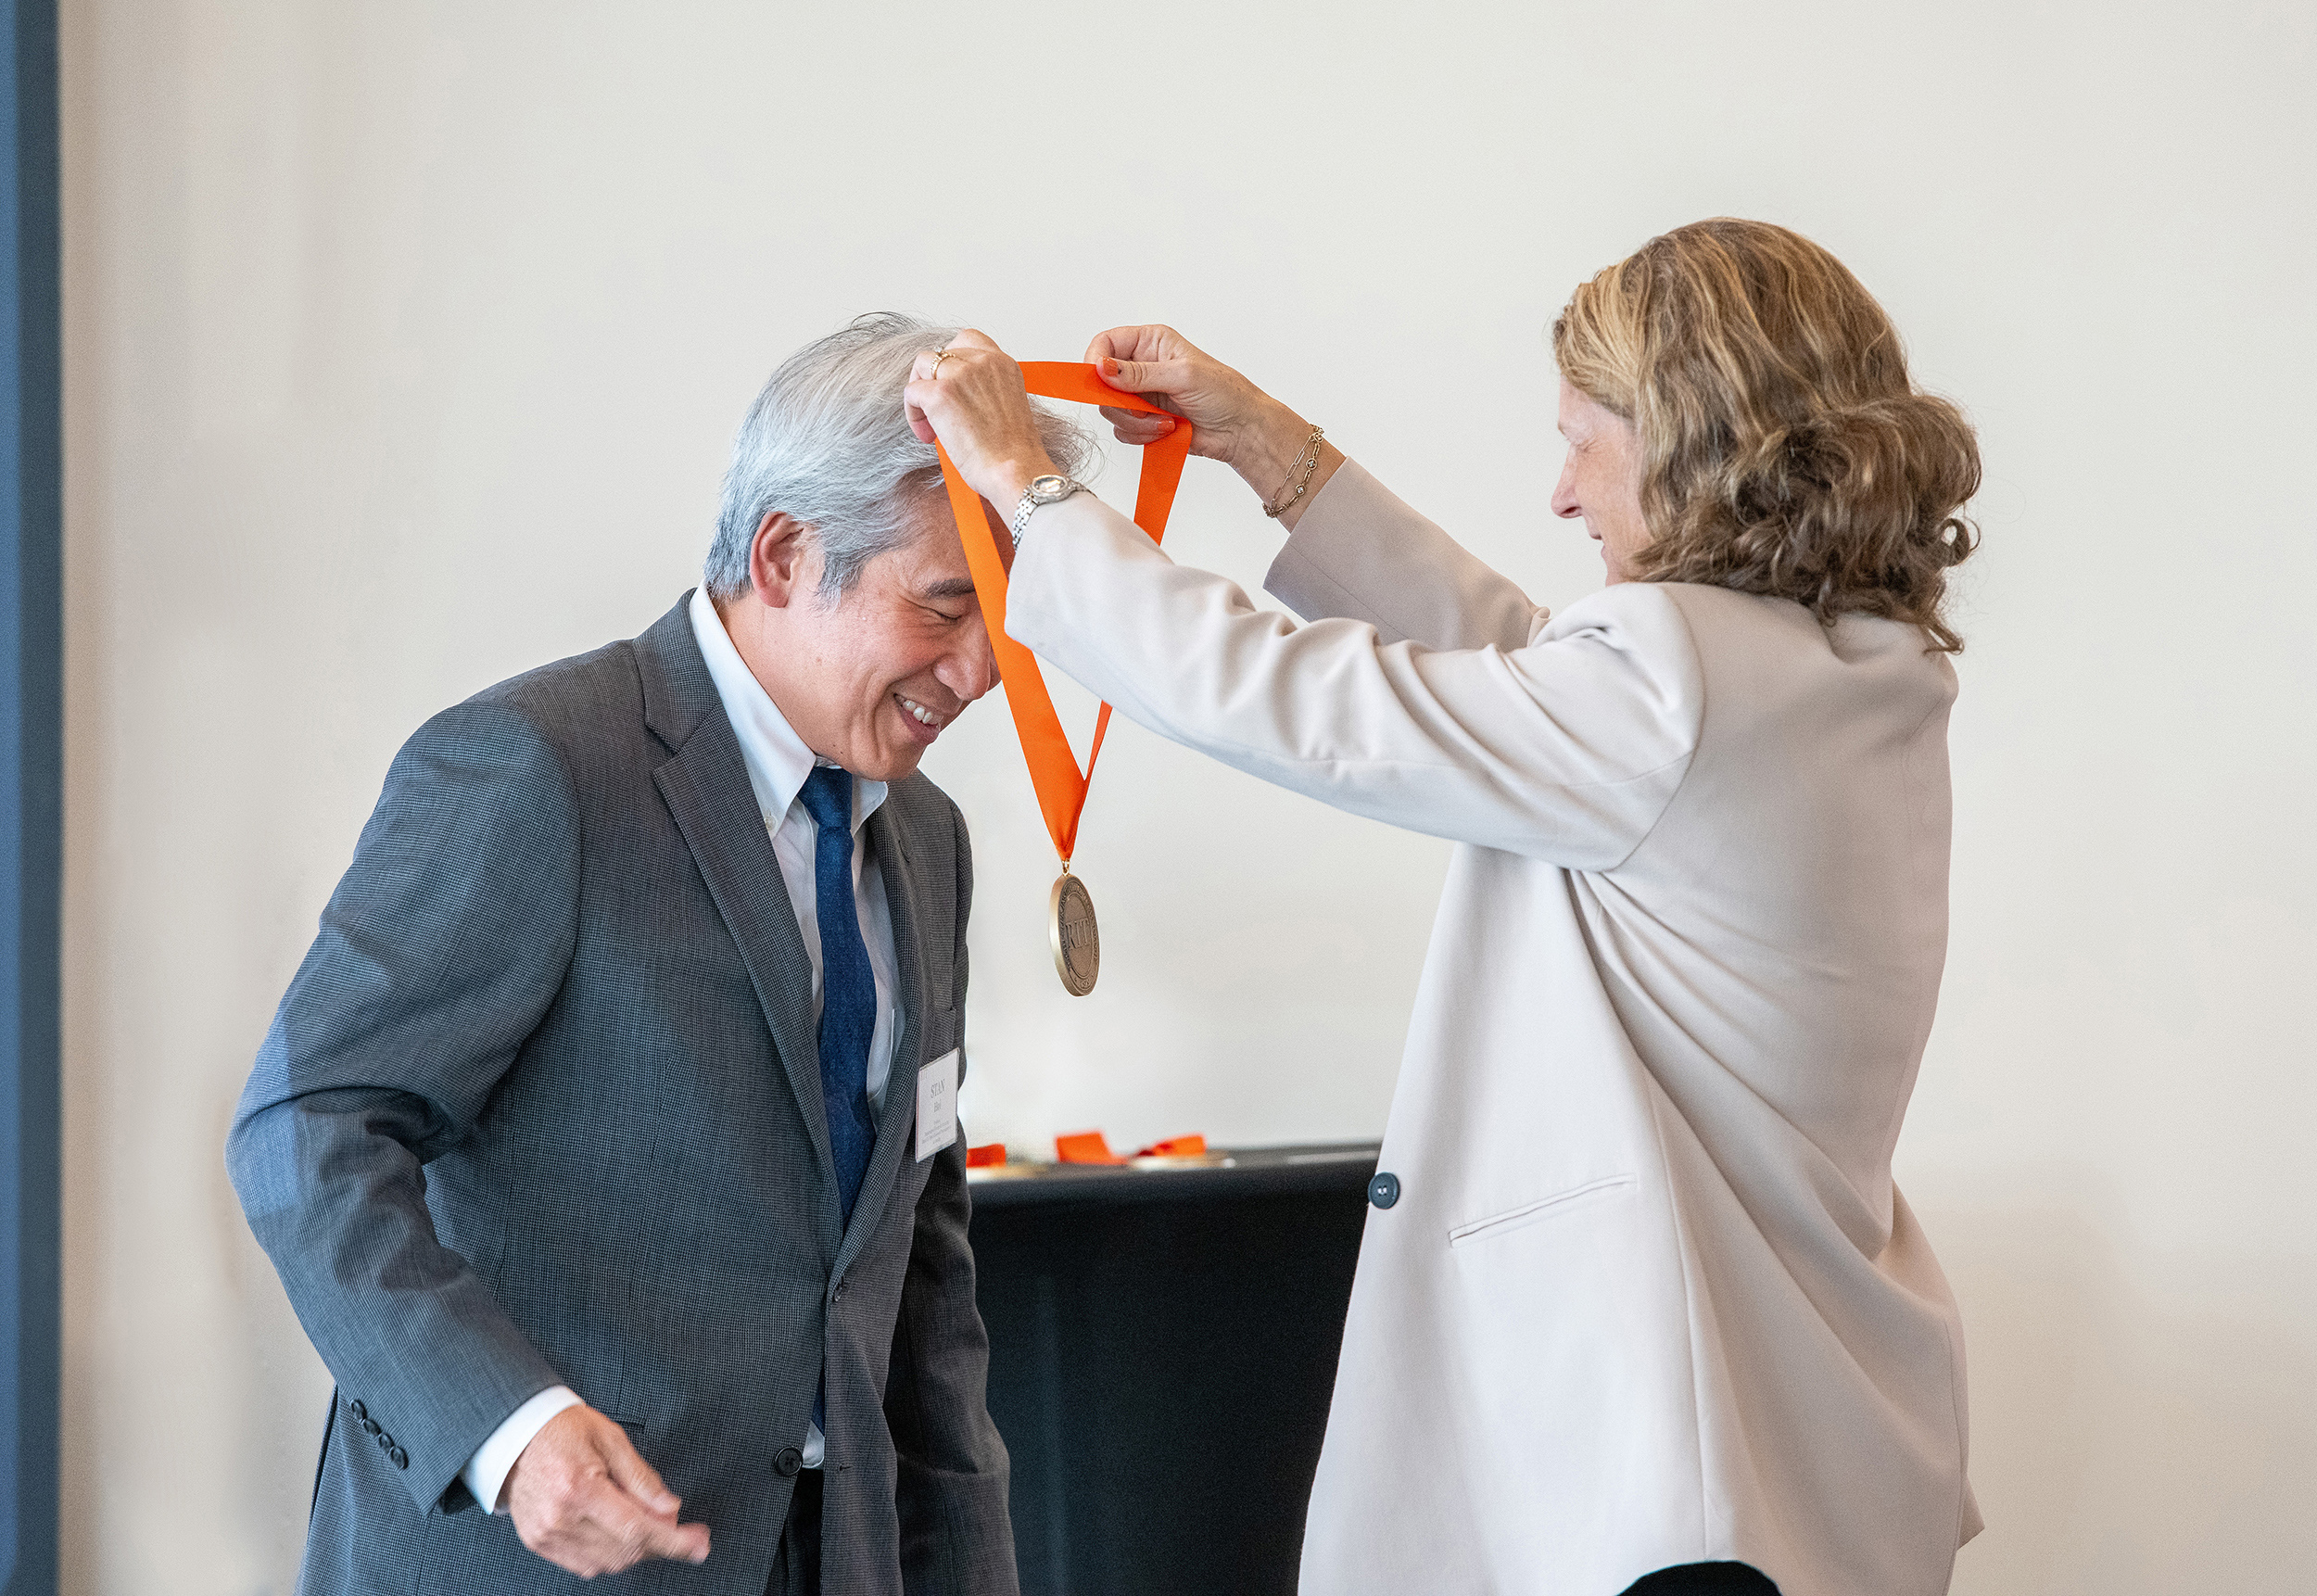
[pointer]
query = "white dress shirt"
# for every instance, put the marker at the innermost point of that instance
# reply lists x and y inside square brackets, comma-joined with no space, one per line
[778,764]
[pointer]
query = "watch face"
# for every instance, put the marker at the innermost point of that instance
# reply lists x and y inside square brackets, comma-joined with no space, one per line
[1046,488]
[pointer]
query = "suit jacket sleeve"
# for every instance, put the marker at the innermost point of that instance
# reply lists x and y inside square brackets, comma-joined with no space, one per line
[956,1537]
[437,956]
[1360,554]
[1565,749]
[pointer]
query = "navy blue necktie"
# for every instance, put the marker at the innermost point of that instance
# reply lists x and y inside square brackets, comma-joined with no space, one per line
[848,989]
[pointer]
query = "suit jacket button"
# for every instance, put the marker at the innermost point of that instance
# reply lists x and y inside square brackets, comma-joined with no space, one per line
[362,1414]
[385,1442]
[402,1459]
[787,1460]
[1383,1191]
[840,1288]
[370,1426]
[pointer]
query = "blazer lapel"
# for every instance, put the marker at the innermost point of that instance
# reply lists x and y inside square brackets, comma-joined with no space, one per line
[705,786]
[895,1121]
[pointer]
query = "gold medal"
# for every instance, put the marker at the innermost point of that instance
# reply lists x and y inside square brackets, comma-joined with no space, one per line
[1077,943]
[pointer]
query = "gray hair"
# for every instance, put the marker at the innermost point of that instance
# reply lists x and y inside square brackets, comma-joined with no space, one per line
[828,443]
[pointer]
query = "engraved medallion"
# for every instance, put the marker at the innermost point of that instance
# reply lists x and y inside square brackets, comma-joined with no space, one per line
[1077,945]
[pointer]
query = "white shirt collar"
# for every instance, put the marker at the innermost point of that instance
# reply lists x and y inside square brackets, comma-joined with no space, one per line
[777,758]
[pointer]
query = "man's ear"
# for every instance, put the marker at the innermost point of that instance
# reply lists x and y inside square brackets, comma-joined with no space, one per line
[783,560]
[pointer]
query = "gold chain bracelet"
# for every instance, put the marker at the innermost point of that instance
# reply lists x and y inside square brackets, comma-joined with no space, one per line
[1306,464]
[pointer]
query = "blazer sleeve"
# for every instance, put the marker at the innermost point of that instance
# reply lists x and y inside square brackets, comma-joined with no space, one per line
[437,956]
[1567,749]
[1360,554]
[951,1473]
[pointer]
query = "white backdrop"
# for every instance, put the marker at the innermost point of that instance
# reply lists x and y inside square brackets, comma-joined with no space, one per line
[404,343]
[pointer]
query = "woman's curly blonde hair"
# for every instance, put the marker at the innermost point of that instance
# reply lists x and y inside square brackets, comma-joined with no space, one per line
[1784,450]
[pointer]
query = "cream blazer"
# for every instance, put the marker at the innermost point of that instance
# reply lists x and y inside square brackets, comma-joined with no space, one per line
[1648,1294]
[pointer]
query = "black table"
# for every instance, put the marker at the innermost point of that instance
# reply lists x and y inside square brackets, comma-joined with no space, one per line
[1163,1350]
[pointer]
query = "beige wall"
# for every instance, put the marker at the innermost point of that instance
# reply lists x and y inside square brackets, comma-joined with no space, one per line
[404,342]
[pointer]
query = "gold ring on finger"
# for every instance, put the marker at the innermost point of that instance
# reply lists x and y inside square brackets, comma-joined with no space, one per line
[939,355]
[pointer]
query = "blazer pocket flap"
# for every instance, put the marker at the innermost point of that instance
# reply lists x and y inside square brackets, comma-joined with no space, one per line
[1530,1212]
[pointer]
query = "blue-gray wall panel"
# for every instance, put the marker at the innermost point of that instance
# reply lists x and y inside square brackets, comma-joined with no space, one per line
[31,761]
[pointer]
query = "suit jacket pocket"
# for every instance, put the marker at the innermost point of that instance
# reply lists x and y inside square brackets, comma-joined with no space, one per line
[1529,1213]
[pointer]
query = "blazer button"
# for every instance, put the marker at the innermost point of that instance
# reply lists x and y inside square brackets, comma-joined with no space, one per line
[385,1442]
[787,1460]
[370,1426]
[402,1459]
[840,1288]
[362,1414]
[1383,1191]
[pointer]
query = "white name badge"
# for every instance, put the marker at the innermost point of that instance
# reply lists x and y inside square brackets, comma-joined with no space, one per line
[937,1105]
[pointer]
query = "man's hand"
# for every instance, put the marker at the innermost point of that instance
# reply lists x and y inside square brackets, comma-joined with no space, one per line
[583,1498]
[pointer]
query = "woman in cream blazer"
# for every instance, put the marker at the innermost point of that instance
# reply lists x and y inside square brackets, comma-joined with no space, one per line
[1646,1296]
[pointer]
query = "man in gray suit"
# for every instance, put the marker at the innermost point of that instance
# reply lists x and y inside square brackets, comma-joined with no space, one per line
[605,1141]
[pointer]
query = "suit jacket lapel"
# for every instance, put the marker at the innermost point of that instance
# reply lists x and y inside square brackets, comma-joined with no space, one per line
[896,1121]
[705,786]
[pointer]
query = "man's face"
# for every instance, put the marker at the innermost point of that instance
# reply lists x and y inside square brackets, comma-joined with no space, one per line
[878,672]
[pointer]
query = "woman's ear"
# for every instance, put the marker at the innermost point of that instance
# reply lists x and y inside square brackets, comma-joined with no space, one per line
[778,559]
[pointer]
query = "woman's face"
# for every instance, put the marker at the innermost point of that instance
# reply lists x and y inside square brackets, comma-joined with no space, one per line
[1602,480]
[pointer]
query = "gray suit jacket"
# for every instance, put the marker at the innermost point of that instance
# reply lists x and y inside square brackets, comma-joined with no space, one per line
[543,1106]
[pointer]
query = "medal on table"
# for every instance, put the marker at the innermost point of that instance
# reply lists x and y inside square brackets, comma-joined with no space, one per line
[1054,772]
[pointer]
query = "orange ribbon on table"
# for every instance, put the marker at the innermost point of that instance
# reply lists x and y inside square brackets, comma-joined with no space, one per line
[1094,1147]
[1084,1148]
[1054,772]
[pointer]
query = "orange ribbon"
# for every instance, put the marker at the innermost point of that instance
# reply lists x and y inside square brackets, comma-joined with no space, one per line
[1054,772]
[1084,1148]
[1094,1147]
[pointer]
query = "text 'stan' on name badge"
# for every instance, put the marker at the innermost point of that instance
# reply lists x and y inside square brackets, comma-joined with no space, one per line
[1077,940]
[937,1105]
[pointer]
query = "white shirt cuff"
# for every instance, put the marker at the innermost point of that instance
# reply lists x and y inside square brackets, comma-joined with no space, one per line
[487,1469]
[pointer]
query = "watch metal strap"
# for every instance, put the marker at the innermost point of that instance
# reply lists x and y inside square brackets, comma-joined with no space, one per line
[1030,502]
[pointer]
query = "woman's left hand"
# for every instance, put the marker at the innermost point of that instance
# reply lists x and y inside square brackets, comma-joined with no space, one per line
[971,399]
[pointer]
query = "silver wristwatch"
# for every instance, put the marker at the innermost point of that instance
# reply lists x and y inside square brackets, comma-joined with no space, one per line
[1043,491]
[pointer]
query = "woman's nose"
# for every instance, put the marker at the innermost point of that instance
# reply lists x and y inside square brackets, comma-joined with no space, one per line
[1565,501]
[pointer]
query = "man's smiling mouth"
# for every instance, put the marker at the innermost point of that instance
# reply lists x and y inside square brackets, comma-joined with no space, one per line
[924,716]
